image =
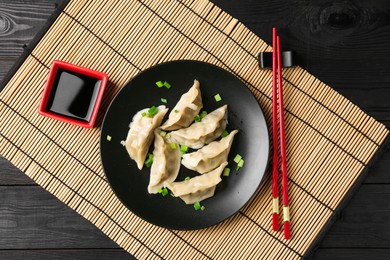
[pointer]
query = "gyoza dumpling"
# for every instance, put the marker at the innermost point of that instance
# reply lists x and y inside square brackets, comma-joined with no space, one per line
[166,163]
[203,132]
[141,134]
[185,110]
[197,188]
[209,156]
[198,196]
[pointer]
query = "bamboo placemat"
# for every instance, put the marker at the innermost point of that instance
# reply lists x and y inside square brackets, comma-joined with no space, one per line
[330,141]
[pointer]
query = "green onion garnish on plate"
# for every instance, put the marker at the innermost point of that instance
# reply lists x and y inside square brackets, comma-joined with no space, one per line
[218,97]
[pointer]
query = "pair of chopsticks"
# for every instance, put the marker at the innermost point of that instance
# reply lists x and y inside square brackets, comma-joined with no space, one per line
[277,107]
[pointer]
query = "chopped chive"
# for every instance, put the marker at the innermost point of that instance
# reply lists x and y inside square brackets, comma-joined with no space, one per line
[217,97]
[203,114]
[163,134]
[202,208]
[167,85]
[240,164]
[237,158]
[176,111]
[149,161]
[152,111]
[164,192]
[144,114]
[224,134]
[187,178]
[226,172]
[173,146]
[164,100]
[184,148]
[197,118]
[108,138]
[197,205]
[159,84]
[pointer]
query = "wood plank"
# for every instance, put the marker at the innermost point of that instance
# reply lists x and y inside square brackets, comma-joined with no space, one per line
[10,175]
[364,222]
[75,254]
[351,253]
[32,218]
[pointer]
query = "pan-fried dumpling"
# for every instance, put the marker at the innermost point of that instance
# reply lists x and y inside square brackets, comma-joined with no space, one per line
[166,163]
[140,135]
[209,156]
[203,132]
[197,188]
[185,110]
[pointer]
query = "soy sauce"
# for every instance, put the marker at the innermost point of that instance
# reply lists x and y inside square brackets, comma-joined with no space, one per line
[73,95]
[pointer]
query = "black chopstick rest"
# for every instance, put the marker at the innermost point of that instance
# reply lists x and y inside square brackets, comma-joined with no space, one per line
[265,59]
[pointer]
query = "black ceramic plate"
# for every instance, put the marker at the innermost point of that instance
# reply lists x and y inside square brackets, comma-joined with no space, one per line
[244,114]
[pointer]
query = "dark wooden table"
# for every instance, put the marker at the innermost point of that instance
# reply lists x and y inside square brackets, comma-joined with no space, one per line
[344,43]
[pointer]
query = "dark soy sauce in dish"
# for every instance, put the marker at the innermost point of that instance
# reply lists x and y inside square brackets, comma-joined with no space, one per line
[73,95]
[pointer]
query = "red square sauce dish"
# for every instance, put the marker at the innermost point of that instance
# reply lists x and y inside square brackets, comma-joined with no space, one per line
[73,94]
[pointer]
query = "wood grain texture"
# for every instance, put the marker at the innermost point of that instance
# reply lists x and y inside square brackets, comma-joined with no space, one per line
[343,43]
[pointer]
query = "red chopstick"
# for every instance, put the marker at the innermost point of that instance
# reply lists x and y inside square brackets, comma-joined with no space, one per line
[278,106]
[275,173]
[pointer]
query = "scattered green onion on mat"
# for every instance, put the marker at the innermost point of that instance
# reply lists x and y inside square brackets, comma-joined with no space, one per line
[108,138]
[149,160]
[187,178]
[164,100]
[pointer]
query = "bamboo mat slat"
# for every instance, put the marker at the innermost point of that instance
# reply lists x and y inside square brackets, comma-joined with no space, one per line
[330,140]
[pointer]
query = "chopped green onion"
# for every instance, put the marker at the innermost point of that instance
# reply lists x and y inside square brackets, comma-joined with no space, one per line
[173,146]
[149,161]
[163,191]
[217,97]
[203,114]
[184,148]
[197,118]
[176,111]
[237,158]
[163,134]
[144,114]
[108,138]
[159,84]
[167,85]
[197,205]
[224,134]
[226,172]
[164,100]
[187,178]
[152,111]
[240,164]
[202,208]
